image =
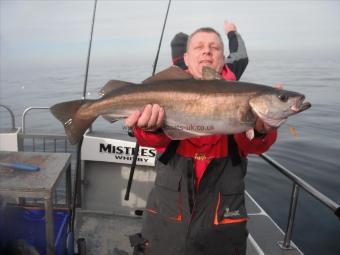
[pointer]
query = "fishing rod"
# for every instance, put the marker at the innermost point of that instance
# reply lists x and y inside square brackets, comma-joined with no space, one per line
[136,151]
[161,39]
[70,237]
[89,50]
[76,186]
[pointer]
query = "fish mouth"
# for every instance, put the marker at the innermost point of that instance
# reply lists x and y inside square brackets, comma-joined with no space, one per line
[300,106]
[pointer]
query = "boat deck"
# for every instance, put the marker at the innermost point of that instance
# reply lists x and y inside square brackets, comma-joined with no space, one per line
[109,233]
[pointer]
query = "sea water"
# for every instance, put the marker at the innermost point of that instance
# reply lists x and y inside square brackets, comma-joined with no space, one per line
[312,152]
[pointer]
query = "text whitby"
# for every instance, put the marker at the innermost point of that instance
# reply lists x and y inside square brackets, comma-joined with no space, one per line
[126,153]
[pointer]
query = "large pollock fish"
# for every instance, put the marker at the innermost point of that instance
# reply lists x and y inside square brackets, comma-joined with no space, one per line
[192,107]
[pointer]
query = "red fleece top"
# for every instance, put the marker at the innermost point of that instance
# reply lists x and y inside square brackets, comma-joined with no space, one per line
[204,149]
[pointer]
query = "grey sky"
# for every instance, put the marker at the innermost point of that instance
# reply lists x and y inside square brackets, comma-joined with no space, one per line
[52,32]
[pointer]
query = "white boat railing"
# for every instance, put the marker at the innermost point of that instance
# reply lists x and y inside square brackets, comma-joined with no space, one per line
[297,184]
[11,114]
[23,117]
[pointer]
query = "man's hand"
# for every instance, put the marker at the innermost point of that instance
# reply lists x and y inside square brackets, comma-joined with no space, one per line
[228,27]
[150,119]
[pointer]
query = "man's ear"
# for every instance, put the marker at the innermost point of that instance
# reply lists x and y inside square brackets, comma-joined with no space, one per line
[185,57]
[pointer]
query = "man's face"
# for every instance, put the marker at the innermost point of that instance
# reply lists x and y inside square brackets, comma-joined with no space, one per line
[205,49]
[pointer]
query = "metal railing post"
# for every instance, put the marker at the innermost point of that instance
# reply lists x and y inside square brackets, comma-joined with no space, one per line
[23,122]
[303,184]
[11,114]
[297,184]
[291,218]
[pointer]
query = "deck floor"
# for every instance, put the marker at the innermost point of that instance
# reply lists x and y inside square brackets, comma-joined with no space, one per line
[108,234]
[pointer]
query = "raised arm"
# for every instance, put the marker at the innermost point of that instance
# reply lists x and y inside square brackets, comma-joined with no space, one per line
[237,60]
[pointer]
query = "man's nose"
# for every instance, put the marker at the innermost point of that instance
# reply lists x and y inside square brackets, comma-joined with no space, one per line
[207,50]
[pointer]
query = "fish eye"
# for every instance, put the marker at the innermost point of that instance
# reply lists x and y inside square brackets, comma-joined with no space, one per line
[283,97]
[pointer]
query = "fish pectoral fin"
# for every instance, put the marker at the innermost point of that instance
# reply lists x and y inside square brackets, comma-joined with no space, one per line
[110,118]
[246,115]
[210,74]
[180,133]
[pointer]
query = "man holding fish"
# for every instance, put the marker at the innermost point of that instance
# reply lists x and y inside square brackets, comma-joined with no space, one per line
[197,204]
[203,127]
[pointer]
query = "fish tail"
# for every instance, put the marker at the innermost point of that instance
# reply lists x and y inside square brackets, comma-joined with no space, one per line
[71,115]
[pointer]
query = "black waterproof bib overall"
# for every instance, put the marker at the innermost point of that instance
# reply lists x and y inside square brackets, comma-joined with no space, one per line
[181,221]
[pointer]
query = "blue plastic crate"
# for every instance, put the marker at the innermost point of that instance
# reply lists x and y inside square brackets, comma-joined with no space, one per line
[29,224]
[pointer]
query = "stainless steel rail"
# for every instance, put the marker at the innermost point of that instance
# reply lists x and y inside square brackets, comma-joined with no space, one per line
[25,113]
[11,113]
[299,183]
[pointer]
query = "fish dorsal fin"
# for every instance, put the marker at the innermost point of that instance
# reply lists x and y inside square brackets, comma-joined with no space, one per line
[171,73]
[210,74]
[111,86]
